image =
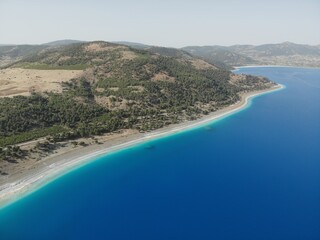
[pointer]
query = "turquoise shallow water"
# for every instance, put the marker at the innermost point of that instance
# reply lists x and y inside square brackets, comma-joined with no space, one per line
[252,175]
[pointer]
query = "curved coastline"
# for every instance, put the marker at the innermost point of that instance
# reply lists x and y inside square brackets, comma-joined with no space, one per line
[13,191]
[236,68]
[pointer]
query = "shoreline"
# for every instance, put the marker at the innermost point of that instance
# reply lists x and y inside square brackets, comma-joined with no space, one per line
[236,68]
[72,160]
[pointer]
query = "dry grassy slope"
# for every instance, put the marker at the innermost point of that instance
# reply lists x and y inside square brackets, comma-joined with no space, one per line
[18,81]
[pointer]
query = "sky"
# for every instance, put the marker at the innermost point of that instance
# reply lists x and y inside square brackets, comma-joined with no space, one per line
[169,23]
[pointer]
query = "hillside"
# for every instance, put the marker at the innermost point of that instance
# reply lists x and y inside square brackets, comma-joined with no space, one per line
[176,52]
[13,53]
[216,54]
[101,87]
[287,53]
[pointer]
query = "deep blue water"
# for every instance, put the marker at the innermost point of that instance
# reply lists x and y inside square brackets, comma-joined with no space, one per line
[253,175]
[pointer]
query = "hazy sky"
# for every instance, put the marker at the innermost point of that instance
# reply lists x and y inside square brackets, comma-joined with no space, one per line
[174,23]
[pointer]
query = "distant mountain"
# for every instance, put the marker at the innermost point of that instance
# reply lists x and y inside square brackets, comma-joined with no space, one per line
[281,49]
[12,53]
[219,55]
[20,50]
[62,42]
[286,53]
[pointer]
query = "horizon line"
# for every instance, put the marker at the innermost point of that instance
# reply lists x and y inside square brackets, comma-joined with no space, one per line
[155,45]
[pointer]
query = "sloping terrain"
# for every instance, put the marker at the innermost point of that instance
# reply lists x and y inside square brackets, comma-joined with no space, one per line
[10,54]
[19,81]
[107,87]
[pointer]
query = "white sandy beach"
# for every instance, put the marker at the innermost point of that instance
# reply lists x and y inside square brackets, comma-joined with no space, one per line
[16,187]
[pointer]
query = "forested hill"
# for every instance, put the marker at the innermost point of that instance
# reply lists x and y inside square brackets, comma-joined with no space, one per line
[118,88]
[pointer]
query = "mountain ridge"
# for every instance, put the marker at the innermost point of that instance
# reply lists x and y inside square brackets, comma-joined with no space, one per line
[63,42]
[286,53]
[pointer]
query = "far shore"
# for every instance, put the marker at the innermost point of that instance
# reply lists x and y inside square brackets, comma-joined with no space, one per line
[22,184]
[270,66]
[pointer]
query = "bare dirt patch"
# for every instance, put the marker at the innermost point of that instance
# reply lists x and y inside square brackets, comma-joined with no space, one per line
[128,55]
[18,81]
[163,76]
